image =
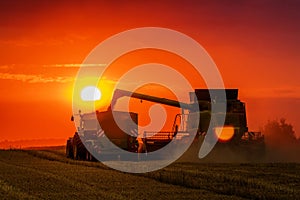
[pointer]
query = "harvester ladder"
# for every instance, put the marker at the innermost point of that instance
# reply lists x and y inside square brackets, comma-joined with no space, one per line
[183,122]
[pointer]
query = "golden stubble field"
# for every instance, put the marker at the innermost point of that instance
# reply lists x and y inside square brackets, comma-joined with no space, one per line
[47,174]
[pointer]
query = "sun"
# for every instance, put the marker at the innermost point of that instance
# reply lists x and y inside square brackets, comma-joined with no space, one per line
[90,93]
[225,133]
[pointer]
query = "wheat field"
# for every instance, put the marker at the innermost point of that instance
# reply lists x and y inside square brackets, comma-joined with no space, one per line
[47,174]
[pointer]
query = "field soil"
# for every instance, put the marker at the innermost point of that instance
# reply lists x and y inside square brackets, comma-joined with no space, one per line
[47,174]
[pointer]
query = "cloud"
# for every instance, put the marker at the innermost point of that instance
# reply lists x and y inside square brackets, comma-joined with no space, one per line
[292,91]
[4,67]
[35,78]
[76,65]
[28,41]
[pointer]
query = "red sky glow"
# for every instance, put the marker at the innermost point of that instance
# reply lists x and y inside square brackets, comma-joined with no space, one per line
[255,45]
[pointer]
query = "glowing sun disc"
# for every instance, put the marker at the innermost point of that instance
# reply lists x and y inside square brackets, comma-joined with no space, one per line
[90,93]
[225,133]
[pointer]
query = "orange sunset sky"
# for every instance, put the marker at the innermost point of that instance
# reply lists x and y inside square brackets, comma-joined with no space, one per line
[255,45]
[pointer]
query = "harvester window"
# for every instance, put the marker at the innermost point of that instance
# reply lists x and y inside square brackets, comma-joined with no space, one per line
[90,124]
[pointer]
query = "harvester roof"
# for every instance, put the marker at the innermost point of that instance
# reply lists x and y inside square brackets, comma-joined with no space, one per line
[204,95]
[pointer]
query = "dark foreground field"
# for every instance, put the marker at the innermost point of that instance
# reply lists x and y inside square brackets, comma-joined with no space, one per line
[47,174]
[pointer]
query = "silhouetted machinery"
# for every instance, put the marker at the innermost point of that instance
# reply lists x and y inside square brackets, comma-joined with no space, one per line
[234,132]
[89,131]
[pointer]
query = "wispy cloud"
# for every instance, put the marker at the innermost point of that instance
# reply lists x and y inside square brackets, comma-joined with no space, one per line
[35,78]
[272,92]
[27,41]
[76,65]
[63,65]
[4,67]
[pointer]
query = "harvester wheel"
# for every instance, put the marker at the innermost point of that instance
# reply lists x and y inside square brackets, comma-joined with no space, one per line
[75,152]
[89,156]
[69,149]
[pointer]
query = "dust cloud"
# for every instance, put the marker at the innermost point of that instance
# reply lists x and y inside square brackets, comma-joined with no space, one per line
[281,142]
[281,145]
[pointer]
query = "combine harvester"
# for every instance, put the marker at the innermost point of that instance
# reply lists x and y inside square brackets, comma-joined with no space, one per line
[232,135]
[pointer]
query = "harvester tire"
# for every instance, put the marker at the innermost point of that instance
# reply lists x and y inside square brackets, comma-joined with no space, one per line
[75,152]
[88,156]
[69,149]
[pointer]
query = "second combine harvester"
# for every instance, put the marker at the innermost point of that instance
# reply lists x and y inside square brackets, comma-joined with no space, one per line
[238,137]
